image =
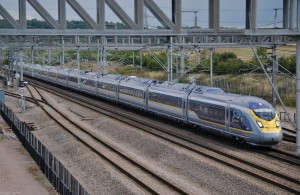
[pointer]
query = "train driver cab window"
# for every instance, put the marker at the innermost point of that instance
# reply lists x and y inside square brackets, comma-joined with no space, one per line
[264,113]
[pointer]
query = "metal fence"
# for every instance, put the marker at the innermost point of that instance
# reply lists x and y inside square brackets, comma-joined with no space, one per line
[255,85]
[58,175]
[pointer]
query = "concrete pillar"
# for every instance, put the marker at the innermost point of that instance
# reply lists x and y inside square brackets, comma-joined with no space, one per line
[22,14]
[285,14]
[62,14]
[248,14]
[214,14]
[139,13]
[253,24]
[176,14]
[292,14]
[298,96]
[298,14]
[101,14]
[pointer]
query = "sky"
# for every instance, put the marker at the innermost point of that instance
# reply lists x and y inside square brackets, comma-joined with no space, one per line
[232,11]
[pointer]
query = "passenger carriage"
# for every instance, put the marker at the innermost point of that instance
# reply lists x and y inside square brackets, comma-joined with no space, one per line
[206,109]
[107,86]
[169,100]
[132,91]
[88,82]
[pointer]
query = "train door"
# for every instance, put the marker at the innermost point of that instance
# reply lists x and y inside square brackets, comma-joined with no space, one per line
[117,90]
[184,108]
[145,97]
[227,118]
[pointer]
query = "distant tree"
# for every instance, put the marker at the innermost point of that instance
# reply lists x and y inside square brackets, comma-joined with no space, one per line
[77,24]
[226,62]
[73,24]
[288,62]
[152,64]
[4,24]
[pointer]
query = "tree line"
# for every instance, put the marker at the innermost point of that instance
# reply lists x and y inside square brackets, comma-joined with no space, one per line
[223,63]
[73,24]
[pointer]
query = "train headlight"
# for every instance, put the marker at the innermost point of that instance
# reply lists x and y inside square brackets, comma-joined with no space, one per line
[259,124]
[277,123]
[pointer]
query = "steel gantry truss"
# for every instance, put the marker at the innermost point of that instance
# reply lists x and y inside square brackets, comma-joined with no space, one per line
[135,27]
[137,37]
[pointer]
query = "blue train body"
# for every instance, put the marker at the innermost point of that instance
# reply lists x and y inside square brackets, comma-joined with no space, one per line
[244,118]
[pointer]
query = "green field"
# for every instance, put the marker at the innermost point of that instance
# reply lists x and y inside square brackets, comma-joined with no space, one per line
[246,54]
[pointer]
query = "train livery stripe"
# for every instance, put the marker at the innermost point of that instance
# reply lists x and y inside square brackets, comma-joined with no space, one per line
[179,108]
[231,128]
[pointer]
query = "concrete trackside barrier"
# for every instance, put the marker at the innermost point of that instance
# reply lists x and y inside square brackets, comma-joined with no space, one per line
[54,170]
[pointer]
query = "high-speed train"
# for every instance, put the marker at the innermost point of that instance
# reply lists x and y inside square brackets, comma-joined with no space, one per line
[245,118]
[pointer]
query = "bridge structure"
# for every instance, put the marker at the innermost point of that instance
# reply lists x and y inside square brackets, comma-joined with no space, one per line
[137,36]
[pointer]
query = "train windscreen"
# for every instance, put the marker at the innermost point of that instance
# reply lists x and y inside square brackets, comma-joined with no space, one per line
[264,113]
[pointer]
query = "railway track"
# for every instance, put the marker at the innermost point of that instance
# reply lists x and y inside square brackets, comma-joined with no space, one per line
[289,130]
[139,173]
[273,177]
[31,99]
[273,153]
[289,135]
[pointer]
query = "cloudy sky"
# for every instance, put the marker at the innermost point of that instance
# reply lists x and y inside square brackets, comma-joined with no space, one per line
[232,11]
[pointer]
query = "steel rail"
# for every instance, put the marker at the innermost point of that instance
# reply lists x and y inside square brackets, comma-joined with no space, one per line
[119,117]
[124,156]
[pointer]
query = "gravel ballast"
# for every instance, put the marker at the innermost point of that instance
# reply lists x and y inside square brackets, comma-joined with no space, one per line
[190,171]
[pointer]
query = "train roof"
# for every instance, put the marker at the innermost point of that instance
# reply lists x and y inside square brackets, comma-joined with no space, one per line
[109,76]
[250,102]
[173,87]
[138,80]
[206,89]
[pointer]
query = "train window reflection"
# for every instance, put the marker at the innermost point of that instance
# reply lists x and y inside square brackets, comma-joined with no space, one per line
[264,113]
[166,99]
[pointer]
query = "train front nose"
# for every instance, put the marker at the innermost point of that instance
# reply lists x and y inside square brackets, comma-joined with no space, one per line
[270,138]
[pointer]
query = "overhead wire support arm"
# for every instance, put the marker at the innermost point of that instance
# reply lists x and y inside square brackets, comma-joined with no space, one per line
[157,60]
[273,87]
